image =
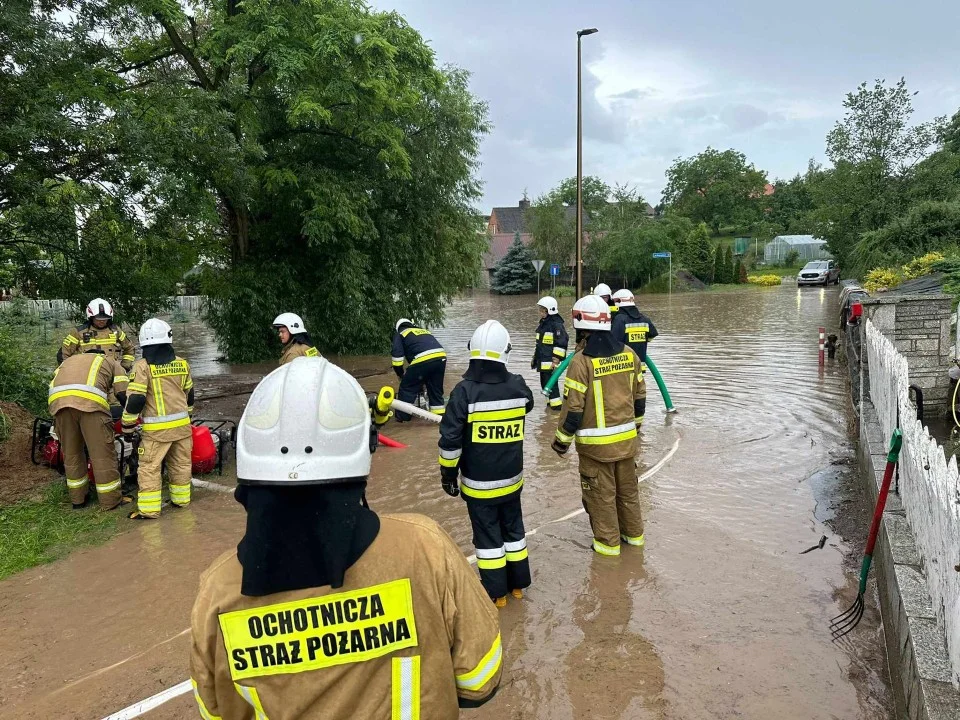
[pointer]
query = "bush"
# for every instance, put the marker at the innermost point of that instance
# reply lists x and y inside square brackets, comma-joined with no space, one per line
[765,280]
[881,279]
[793,257]
[742,273]
[564,291]
[918,267]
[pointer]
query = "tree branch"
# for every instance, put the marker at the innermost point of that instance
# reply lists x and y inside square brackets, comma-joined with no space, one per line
[145,63]
[183,50]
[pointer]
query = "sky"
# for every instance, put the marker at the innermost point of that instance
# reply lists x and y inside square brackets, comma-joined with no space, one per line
[666,78]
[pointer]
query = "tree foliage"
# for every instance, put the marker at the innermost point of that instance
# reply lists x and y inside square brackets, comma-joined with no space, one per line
[715,187]
[703,260]
[313,152]
[514,274]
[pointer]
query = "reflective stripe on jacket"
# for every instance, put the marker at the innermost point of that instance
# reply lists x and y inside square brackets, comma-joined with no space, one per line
[166,413]
[409,633]
[600,404]
[415,345]
[84,382]
[552,342]
[481,435]
[111,340]
[632,327]
[294,350]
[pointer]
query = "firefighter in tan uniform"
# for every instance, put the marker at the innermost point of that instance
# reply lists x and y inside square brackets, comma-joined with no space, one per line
[99,332]
[326,609]
[78,403]
[161,390]
[604,403]
[294,338]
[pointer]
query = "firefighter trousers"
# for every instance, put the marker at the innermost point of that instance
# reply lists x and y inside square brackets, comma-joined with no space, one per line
[429,373]
[75,429]
[501,544]
[152,453]
[555,402]
[611,498]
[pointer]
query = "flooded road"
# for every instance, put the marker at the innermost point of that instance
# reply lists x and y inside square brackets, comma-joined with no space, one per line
[718,617]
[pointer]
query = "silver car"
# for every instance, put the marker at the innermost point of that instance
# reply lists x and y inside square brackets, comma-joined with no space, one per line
[819,272]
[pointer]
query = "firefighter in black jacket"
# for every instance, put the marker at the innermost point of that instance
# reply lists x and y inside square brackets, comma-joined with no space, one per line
[551,347]
[481,440]
[631,326]
[426,365]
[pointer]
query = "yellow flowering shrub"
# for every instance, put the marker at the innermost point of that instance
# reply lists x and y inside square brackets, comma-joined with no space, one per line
[918,267]
[880,279]
[764,280]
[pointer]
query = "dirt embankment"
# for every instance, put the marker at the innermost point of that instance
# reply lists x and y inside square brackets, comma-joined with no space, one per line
[20,479]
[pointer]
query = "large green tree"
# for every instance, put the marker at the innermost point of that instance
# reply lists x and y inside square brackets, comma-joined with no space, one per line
[875,151]
[515,274]
[715,187]
[323,151]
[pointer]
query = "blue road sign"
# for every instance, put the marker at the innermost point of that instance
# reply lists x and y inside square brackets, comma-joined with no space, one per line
[661,255]
[554,269]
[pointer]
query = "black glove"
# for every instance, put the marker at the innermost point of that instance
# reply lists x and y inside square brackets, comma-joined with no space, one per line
[450,486]
[533,363]
[559,447]
[398,371]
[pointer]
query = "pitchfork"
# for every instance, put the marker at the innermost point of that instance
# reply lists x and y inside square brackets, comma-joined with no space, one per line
[847,621]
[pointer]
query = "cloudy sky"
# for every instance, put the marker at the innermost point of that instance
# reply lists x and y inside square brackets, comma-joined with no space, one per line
[666,78]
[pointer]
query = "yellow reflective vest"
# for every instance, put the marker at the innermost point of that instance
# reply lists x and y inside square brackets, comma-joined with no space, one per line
[409,633]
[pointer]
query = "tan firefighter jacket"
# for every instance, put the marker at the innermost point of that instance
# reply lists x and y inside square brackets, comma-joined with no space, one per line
[600,404]
[410,631]
[84,382]
[160,393]
[294,350]
[111,339]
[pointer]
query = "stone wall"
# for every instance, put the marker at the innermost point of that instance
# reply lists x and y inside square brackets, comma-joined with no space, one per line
[919,327]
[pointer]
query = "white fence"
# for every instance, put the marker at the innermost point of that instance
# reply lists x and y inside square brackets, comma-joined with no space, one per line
[191,304]
[929,485]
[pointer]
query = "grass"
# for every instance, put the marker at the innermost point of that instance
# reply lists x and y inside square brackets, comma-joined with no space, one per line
[36,532]
[781,271]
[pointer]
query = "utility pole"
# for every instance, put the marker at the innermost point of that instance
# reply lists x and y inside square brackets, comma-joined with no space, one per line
[579,258]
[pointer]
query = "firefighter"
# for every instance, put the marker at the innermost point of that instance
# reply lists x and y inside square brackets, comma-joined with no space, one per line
[551,347]
[78,403]
[99,332]
[631,326]
[294,338]
[481,441]
[604,403]
[426,365]
[604,291]
[161,390]
[326,609]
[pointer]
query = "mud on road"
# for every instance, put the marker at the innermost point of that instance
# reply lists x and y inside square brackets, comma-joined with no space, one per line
[718,617]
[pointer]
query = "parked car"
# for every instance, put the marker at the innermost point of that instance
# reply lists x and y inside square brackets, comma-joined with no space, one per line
[819,272]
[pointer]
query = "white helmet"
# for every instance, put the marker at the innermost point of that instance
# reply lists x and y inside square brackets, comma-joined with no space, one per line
[490,341]
[99,308]
[549,304]
[401,321]
[307,423]
[155,332]
[603,290]
[624,298]
[291,321]
[591,313]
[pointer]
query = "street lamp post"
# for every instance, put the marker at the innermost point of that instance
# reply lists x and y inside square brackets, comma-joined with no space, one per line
[579,259]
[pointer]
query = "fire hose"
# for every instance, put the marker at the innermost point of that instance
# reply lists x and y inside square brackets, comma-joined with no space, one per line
[562,367]
[386,401]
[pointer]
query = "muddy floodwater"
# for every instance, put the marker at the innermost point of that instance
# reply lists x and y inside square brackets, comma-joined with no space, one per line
[720,616]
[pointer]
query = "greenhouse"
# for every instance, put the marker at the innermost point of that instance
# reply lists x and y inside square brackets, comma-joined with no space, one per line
[807,248]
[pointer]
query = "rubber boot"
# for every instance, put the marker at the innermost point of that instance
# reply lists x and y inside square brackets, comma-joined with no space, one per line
[517,593]
[500,602]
